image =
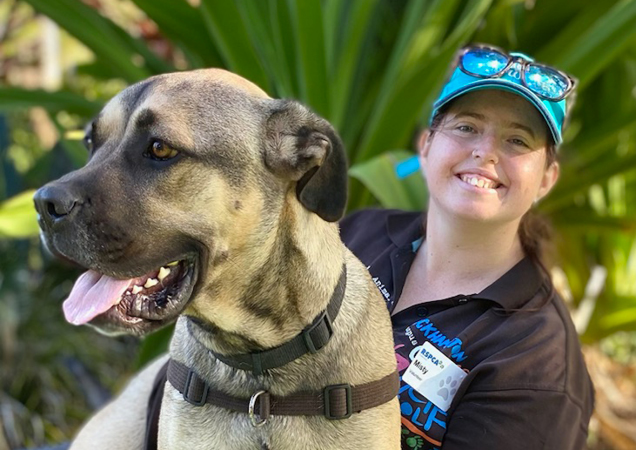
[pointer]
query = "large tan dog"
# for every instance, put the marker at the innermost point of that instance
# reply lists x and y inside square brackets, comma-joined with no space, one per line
[205,199]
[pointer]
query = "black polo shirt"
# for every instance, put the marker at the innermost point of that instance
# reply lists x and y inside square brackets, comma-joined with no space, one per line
[527,386]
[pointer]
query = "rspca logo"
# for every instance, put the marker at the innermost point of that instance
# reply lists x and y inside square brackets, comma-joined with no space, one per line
[429,356]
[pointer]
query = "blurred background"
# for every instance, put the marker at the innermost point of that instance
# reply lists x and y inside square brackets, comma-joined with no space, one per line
[372,67]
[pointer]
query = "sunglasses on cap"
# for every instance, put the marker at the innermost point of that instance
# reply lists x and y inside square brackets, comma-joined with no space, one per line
[490,62]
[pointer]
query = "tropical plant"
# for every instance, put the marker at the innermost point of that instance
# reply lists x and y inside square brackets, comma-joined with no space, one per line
[373,67]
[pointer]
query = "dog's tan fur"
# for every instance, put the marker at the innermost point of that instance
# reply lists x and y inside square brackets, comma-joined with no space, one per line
[271,262]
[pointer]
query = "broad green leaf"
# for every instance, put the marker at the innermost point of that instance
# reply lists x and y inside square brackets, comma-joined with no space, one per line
[108,41]
[335,12]
[601,43]
[401,113]
[183,25]
[471,18]
[593,142]
[584,219]
[257,18]
[499,23]
[430,34]
[283,41]
[97,70]
[346,60]
[151,62]
[573,182]
[412,18]
[310,54]
[401,103]
[386,24]
[378,176]
[18,217]
[228,30]
[621,318]
[17,98]
[571,32]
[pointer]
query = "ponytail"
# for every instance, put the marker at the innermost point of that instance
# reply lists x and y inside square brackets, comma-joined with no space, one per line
[535,234]
[535,231]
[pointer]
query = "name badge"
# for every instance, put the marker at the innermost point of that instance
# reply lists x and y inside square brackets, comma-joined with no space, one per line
[434,375]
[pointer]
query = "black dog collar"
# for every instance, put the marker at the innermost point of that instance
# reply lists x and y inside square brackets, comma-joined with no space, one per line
[310,340]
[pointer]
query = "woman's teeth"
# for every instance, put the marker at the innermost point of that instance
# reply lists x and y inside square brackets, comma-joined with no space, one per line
[478,182]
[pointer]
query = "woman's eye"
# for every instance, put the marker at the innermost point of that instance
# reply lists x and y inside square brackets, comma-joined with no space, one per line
[465,129]
[161,151]
[519,142]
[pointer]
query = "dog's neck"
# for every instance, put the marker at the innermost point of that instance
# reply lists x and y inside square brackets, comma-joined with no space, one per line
[266,294]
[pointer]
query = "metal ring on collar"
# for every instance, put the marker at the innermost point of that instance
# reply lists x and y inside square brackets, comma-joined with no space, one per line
[250,410]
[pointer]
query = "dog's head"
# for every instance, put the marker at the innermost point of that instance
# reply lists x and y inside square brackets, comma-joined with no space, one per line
[186,171]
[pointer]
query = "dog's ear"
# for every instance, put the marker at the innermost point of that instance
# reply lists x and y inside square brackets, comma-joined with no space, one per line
[303,147]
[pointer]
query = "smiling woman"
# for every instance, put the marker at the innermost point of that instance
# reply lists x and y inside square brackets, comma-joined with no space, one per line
[487,352]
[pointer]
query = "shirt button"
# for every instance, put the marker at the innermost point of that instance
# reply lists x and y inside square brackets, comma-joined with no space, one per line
[421,311]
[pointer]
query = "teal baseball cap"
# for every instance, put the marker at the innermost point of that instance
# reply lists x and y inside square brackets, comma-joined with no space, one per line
[484,67]
[462,82]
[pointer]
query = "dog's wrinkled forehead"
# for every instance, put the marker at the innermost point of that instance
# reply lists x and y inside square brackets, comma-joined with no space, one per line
[194,107]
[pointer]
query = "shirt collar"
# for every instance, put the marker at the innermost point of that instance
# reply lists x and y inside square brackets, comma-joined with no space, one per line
[405,227]
[512,290]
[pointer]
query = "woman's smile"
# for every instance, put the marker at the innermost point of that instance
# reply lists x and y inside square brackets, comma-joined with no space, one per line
[479,181]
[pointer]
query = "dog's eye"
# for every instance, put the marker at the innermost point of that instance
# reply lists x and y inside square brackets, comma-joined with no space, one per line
[161,151]
[88,142]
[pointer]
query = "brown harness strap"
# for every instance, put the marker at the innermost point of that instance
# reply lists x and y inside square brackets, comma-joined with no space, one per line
[334,402]
[154,408]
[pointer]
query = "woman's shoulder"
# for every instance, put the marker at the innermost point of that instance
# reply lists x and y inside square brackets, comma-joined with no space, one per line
[375,222]
[363,215]
[537,350]
[535,355]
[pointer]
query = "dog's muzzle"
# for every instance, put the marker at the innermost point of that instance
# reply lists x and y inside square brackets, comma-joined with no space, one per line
[136,301]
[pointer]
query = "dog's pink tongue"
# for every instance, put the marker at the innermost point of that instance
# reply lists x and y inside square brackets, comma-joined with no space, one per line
[92,295]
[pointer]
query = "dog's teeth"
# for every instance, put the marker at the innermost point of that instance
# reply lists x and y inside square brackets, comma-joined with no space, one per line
[172,264]
[137,289]
[138,305]
[163,273]
[150,282]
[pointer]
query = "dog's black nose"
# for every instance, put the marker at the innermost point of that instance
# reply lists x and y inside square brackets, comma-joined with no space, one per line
[54,203]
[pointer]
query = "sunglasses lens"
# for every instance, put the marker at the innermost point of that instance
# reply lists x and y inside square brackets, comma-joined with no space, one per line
[484,62]
[547,82]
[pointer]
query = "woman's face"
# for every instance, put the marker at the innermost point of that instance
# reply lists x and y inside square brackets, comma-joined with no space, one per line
[486,161]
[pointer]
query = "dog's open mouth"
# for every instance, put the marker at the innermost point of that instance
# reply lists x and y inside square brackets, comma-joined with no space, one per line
[156,297]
